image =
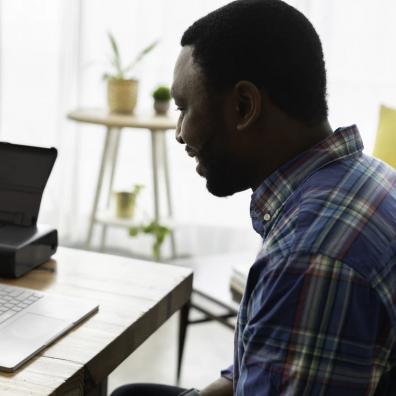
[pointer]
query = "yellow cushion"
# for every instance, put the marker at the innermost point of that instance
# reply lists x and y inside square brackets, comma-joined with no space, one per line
[385,141]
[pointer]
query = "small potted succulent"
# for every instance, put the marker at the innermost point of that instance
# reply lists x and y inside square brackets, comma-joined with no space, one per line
[162,99]
[159,232]
[121,87]
[126,201]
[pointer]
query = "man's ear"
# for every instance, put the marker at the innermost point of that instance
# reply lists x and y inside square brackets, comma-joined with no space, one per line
[249,102]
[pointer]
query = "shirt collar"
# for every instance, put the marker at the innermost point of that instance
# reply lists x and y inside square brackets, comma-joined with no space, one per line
[269,197]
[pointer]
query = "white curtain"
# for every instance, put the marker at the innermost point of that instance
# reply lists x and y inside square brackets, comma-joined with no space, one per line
[54,52]
[359,38]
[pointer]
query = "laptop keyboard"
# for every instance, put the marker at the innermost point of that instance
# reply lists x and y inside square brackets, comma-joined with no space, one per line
[14,300]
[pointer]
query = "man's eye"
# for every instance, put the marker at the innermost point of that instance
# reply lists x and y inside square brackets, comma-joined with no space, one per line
[181,109]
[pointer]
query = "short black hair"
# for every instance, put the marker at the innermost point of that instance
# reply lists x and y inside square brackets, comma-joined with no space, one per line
[269,43]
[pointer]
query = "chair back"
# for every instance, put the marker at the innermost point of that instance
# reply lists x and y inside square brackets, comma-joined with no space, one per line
[385,141]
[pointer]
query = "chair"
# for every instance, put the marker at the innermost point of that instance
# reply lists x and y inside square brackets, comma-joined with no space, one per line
[385,141]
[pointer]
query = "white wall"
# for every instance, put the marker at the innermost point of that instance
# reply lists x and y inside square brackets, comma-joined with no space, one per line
[52,56]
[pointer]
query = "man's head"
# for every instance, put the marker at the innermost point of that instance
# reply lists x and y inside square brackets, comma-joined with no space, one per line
[246,71]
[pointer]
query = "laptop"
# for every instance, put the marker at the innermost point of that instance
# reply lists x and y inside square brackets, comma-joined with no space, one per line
[30,320]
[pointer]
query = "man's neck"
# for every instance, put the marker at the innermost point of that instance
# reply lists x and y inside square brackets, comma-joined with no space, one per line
[290,141]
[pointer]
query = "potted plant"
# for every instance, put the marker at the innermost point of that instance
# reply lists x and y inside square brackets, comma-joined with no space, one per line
[162,99]
[159,232]
[126,201]
[121,87]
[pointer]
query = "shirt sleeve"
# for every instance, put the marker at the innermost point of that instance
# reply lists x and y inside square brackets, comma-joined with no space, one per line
[313,326]
[228,373]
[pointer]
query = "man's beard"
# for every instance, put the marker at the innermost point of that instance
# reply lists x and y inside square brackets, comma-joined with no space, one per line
[225,174]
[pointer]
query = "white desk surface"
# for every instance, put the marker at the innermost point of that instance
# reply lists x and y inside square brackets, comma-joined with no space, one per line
[135,298]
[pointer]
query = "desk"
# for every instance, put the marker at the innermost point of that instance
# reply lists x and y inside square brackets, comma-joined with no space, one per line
[115,123]
[135,297]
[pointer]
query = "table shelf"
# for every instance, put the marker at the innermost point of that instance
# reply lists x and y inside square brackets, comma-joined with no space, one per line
[110,219]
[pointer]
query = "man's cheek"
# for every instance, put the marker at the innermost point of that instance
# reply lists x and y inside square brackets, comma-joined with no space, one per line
[196,134]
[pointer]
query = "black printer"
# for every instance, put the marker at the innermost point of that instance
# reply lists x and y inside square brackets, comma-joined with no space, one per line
[24,244]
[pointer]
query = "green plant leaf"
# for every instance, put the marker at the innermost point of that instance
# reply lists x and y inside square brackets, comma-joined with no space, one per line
[116,61]
[158,231]
[137,188]
[134,230]
[162,92]
[146,50]
[156,250]
[140,56]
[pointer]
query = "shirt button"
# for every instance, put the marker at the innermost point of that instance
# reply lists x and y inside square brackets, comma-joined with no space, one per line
[267,217]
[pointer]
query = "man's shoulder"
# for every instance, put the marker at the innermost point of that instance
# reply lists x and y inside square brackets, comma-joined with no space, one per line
[345,210]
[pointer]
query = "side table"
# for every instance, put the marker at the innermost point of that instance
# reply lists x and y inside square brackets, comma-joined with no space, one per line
[115,123]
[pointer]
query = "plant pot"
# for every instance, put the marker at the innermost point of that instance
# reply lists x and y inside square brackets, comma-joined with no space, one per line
[122,95]
[161,106]
[125,204]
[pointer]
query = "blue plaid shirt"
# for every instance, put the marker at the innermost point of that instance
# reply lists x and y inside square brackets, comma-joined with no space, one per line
[318,316]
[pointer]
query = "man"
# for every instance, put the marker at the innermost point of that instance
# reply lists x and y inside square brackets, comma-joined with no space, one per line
[318,316]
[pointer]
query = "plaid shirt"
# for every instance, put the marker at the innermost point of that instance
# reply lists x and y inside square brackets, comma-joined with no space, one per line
[318,316]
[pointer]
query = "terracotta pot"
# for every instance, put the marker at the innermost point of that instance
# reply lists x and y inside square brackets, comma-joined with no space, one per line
[161,106]
[122,95]
[125,204]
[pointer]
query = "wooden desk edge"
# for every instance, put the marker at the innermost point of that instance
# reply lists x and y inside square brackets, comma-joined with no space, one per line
[116,352]
[89,375]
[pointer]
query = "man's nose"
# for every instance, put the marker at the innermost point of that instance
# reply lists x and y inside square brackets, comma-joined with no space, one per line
[179,136]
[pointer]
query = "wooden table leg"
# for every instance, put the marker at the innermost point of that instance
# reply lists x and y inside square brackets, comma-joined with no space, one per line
[100,390]
[155,169]
[168,192]
[99,184]
[112,161]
